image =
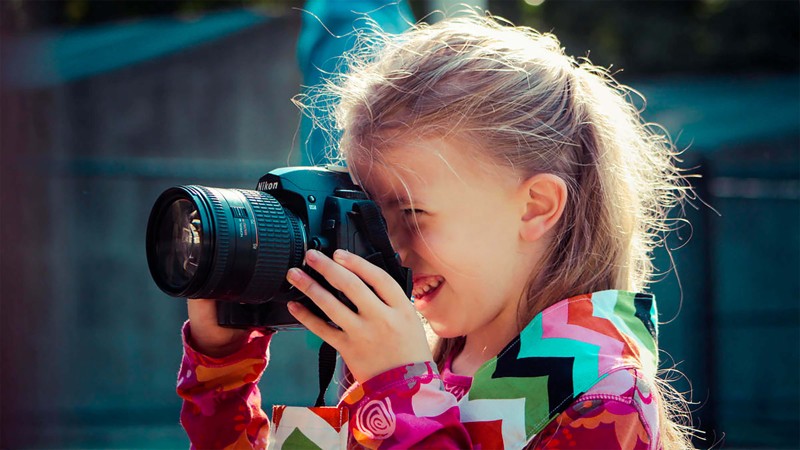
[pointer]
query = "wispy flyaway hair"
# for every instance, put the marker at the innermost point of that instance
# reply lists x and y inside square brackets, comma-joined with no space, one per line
[513,93]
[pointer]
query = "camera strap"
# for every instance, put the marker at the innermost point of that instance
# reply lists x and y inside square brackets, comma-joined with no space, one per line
[374,229]
[327,366]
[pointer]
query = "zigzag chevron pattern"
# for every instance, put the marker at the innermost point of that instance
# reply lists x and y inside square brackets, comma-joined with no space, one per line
[646,312]
[634,316]
[556,370]
[575,323]
[565,350]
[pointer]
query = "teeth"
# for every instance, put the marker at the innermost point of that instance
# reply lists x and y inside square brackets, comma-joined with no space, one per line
[426,285]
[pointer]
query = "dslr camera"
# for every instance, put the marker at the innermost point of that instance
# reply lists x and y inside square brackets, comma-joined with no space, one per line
[236,245]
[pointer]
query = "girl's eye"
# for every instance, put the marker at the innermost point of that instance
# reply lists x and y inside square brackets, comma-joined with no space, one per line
[413,211]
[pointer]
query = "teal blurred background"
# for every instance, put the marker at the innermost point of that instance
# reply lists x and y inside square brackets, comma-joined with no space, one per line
[106,104]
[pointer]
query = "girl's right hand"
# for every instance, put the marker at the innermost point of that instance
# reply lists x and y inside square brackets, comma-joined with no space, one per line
[207,336]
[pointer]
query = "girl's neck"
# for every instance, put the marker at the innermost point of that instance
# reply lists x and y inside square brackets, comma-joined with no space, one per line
[478,349]
[486,342]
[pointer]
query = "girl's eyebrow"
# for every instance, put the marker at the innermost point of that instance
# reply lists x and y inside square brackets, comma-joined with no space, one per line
[397,201]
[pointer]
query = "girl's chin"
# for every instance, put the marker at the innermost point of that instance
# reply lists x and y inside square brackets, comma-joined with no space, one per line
[443,330]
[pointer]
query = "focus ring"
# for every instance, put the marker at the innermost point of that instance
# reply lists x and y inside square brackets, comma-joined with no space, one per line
[298,239]
[222,239]
[274,246]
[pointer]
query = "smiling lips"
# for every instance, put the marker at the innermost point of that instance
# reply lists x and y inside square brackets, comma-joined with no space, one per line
[424,286]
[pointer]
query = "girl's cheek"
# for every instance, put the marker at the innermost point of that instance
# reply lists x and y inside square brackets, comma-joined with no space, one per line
[408,241]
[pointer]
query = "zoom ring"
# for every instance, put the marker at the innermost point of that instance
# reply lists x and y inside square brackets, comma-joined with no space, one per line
[274,249]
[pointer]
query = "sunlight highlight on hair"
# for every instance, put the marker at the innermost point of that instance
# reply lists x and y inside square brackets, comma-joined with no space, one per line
[518,99]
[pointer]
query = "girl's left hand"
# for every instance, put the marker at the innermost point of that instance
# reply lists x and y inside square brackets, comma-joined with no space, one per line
[385,332]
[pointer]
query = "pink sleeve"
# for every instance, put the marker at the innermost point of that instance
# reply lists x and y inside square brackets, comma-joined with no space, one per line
[222,404]
[406,407]
[596,423]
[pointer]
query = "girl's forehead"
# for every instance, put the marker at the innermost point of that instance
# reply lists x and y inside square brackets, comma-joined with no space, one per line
[385,181]
[405,162]
[408,158]
[408,169]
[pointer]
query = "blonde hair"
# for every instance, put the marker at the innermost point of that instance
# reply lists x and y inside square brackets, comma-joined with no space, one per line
[527,105]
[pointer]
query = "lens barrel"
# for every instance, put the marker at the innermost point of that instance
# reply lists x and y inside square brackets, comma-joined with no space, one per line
[226,244]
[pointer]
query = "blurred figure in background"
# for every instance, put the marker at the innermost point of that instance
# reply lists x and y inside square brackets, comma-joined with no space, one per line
[329,29]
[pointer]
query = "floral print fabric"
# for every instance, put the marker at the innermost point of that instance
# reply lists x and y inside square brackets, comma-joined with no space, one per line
[222,403]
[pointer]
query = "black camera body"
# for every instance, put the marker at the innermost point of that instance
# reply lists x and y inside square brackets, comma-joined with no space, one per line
[236,245]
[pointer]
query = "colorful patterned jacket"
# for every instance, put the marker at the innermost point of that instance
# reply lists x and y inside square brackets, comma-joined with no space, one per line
[580,375]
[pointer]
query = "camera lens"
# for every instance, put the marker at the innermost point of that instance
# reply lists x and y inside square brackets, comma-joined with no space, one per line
[178,243]
[227,244]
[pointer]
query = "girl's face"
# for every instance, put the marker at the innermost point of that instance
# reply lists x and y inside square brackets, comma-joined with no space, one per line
[455,220]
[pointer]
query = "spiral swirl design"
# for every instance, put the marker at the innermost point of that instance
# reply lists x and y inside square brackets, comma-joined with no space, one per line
[376,419]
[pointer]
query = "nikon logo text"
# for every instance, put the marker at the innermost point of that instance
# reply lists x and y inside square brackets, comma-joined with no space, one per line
[267,186]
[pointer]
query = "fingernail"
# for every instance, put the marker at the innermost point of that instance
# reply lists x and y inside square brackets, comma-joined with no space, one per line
[312,255]
[340,254]
[294,274]
[293,307]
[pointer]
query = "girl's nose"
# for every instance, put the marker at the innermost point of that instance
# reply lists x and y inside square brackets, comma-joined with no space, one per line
[397,241]
[403,256]
[400,249]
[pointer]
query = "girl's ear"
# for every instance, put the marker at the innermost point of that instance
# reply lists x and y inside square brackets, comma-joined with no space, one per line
[545,197]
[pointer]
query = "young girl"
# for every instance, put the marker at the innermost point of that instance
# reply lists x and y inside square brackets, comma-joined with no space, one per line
[526,195]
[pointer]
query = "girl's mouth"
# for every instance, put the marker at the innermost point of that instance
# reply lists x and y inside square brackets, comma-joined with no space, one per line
[426,288]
